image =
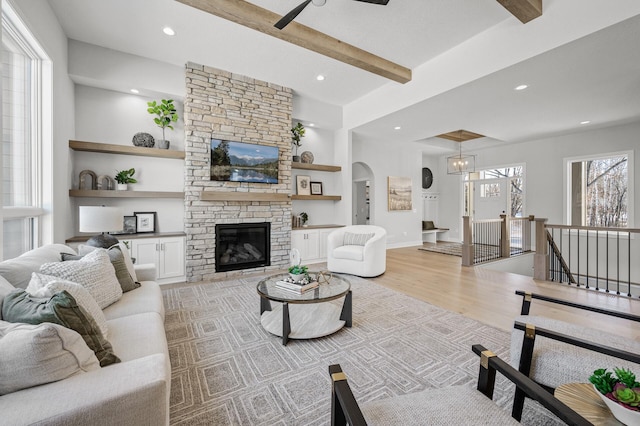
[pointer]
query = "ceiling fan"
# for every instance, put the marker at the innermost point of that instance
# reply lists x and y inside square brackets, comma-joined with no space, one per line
[286,19]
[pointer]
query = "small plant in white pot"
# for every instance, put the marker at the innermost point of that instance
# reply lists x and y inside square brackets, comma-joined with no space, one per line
[166,114]
[124,178]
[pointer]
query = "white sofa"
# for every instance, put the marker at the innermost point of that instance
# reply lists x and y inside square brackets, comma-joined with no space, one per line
[132,392]
[364,259]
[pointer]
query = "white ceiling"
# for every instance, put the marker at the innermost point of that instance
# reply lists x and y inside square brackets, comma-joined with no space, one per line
[595,78]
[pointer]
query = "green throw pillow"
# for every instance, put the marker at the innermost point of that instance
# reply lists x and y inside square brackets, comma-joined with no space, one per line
[117,260]
[62,309]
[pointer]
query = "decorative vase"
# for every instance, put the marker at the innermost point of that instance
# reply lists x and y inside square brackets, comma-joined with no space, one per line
[296,277]
[143,139]
[624,415]
[296,158]
[306,157]
[123,186]
[163,143]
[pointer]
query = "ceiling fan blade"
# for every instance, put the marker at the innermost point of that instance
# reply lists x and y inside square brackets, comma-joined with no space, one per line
[286,19]
[381,2]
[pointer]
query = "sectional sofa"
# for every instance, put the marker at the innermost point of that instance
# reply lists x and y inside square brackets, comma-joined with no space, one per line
[134,391]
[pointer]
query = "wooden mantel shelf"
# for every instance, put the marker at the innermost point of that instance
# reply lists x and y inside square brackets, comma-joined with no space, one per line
[107,148]
[318,167]
[242,196]
[123,194]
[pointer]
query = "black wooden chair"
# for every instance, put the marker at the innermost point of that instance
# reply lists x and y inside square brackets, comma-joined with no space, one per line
[453,405]
[553,352]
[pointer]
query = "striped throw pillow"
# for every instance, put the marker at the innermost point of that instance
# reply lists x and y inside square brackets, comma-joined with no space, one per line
[351,239]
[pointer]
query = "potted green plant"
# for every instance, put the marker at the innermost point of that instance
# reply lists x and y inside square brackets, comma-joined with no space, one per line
[304,217]
[298,272]
[620,392]
[297,133]
[166,114]
[125,177]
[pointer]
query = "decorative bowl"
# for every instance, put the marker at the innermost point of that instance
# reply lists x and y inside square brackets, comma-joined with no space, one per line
[623,414]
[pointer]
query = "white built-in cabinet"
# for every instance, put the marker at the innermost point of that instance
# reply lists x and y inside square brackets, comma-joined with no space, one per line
[311,243]
[167,253]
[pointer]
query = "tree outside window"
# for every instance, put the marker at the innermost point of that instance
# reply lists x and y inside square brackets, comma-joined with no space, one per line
[600,192]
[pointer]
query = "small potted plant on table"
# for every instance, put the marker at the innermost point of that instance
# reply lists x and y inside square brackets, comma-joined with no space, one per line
[620,392]
[297,272]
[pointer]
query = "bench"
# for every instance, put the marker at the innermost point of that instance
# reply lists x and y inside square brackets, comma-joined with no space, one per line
[431,235]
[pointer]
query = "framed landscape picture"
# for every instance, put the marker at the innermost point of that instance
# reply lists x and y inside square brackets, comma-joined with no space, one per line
[399,193]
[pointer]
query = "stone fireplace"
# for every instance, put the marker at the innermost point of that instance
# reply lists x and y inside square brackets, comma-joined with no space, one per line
[223,105]
[242,246]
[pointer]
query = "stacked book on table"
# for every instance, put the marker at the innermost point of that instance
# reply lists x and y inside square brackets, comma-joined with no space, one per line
[298,287]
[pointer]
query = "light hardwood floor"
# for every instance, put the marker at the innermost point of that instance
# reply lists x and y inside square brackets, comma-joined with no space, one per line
[489,296]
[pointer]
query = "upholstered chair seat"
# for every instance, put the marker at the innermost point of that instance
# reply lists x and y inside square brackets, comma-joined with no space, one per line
[358,250]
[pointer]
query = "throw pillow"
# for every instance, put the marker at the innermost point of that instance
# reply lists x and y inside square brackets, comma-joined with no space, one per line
[117,260]
[351,239]
[5,288]
[33,355]
[94,272]
[18,270]
[61,308]
[42,286]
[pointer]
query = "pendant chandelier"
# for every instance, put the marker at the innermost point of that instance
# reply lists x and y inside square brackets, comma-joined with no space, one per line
[461,164]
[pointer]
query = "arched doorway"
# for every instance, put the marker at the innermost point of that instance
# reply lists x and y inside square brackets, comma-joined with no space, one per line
[363,194]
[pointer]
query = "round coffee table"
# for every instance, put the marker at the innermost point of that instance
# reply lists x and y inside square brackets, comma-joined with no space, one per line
[304,315]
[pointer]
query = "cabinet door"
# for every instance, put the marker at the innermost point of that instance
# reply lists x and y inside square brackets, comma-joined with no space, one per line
[171,257]
[298,242]
[145,250]
[311,242]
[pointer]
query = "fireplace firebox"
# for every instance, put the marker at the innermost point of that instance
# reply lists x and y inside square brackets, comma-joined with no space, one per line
[242,246]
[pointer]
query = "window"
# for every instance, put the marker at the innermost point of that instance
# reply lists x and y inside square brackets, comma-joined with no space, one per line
[22,60]
[600,191]
[489,190]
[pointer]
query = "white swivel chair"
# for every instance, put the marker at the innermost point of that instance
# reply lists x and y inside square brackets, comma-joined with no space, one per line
[358,250]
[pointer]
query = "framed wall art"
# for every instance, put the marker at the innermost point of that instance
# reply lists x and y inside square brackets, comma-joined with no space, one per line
[316,188]
[399,193]
[303,185]
[145,221]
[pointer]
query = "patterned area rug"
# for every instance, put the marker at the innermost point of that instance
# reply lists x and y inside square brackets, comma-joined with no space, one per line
[227,370]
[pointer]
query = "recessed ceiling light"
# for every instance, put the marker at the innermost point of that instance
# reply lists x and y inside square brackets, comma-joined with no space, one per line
[397,128]
[136,91]
[320,77]
[521,87]
[311,125]
[585,122]
[168,31]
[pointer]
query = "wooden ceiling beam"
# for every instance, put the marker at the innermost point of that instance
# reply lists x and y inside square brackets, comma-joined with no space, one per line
[260,19]
[524,10]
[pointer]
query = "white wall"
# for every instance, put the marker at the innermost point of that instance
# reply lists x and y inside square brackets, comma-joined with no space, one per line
[42,22]
[113,117]
[319,141]
[544,166]
[404,228]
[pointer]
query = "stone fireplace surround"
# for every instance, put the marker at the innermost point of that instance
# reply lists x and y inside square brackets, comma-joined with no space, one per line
[229,106]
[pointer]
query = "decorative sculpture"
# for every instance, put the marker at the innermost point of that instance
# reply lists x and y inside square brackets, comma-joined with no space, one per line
[94,180]
[108,185]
